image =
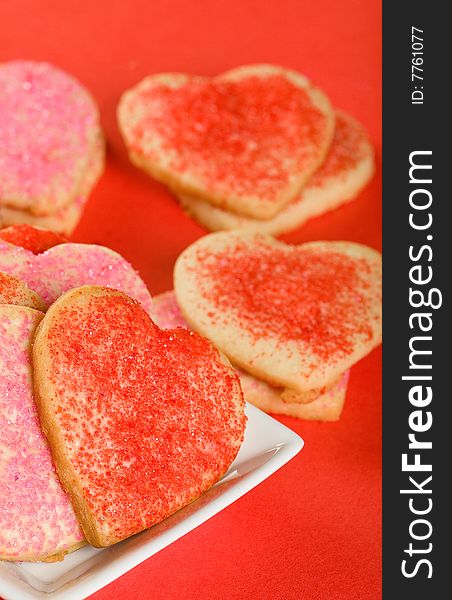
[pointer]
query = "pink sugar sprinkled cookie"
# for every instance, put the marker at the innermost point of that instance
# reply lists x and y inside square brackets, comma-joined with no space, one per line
[67,266]
[64,219]
[37,521]
[166,311]
[49,128]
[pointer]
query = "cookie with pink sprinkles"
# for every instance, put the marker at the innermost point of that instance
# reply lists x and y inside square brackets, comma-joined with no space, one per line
[49,133]
[37,521]
[64,220]
[67,266]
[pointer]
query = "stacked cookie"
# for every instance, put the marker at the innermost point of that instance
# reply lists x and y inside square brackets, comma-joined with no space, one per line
[51,146]
[293,319]
[110,424]
[257,148]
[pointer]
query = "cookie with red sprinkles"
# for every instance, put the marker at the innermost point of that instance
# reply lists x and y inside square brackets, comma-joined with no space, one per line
[49,131]
[348,167]
[246,140]
[295,316]
[37,521]
[324,405]
[140,421]
[14,291]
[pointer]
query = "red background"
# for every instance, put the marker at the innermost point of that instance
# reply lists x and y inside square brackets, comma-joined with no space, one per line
[313,530]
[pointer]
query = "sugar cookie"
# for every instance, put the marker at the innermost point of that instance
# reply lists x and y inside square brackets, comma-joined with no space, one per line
[37,521]
[246,140]
[327,407]
[49,129]
[140,421]
[64,219]
[348,167]
[294,316]
[324,405]
[71,265]
[34,239]
[14,291]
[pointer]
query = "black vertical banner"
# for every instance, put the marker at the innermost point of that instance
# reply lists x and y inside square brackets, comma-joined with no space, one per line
[417,250]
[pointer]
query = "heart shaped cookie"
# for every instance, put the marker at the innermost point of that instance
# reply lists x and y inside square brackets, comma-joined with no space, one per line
[140,421]
[31,238]
[324,405]
[37,521]
[67,266]
[294,316]
[49,129]
[14,291]
[246,140]
[347,169]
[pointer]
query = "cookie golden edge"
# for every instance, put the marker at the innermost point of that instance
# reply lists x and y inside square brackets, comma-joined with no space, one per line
[24,296]
[327,407]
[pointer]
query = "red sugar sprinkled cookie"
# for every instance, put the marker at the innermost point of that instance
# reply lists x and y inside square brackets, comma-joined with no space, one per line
[295,316]
[140,421]
[348,167]
[37,521]
[49,130]
[246,140]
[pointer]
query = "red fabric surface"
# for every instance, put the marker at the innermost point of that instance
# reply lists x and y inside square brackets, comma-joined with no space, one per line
[312,530]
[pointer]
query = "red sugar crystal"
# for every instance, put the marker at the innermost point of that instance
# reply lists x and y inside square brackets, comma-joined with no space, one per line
[147,415]
[250,134]
[291,294]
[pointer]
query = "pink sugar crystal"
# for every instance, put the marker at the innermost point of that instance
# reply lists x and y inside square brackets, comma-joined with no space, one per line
[36,517]
[46,128]
[67,266]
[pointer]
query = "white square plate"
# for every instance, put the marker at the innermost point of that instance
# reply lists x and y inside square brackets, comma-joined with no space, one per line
[268,445]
